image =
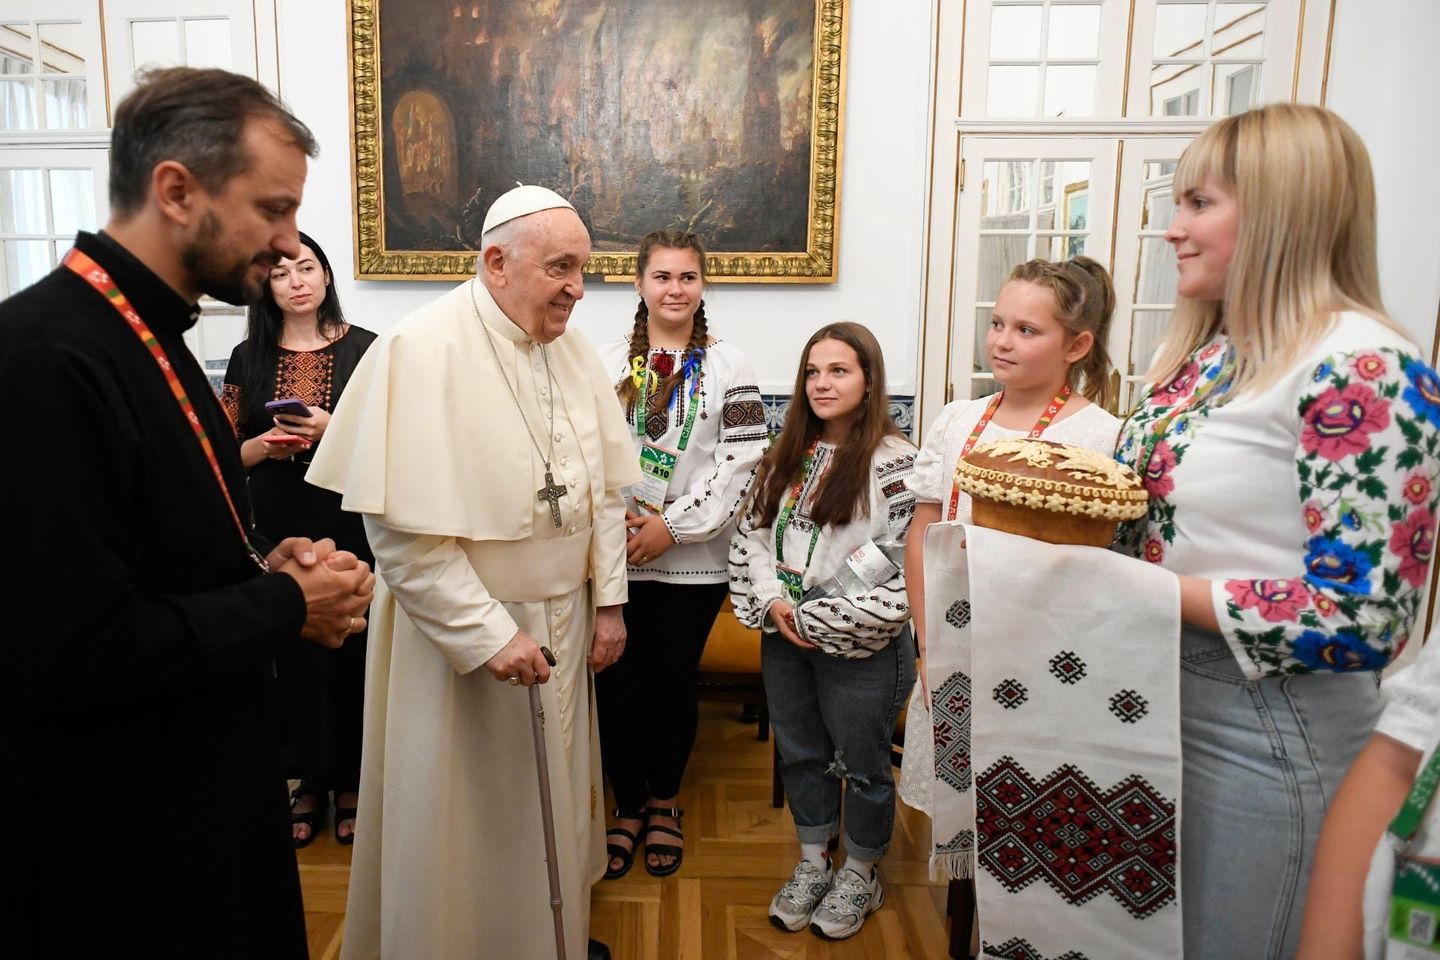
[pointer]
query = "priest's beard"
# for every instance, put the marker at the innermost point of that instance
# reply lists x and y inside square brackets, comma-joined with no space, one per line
[219,271]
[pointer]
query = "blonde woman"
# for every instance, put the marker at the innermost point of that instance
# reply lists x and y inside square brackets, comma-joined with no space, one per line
[1288,440]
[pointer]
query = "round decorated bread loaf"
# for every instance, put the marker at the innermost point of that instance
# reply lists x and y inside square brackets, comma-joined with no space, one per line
[1050,491]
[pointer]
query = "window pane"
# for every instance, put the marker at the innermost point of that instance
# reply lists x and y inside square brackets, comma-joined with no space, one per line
[1158,206]
[998,256]
[1059,248]
[1239,30]
[1175,90]
[72,200]
[1146,333]
[1005,192]
[1071,198]
[1015,33]
[65,105]
[1074,33]
[62,48]
[981,363]
[17,105]
[154,43]
[22,201]
[1180,30]
[1156,280]
[25,262]
[1069,91]
[15,55]
[207,44]
[1237,87]
[1012,91]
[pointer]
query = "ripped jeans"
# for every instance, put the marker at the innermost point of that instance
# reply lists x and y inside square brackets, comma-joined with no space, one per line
[833,721]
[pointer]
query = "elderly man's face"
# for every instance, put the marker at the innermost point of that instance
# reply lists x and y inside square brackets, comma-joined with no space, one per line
[541,278]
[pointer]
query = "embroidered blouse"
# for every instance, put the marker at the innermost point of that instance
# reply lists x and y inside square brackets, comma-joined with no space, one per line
[714,472]
[853,626]
[1311,504]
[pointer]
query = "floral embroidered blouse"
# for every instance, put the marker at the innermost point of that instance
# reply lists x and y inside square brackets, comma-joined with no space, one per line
[1311,503]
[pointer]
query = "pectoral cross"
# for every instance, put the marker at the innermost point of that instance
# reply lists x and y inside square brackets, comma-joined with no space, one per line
[552,492]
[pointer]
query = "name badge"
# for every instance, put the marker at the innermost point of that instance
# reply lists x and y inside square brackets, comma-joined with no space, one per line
[657,466]
[793,581]
[1414,909]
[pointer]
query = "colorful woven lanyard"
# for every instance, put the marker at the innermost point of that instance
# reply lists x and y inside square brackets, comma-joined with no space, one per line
[788,510]
[642,411]
[1049,414]
[100,279]
[1161,426]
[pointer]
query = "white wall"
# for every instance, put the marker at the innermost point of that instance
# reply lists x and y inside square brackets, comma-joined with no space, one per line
[881,207]
[1383,78]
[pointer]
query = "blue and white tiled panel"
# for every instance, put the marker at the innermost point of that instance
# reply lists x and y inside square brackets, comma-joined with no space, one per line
[902,411]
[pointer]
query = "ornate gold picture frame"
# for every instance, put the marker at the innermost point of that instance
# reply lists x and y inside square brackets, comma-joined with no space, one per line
[728,123]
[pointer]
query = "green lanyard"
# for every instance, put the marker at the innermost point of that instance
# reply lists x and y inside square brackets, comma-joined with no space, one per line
[643,411]
[1412,811]
[786,512]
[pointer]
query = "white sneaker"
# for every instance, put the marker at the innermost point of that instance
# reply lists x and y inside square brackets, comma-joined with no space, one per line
[850,900]
[792,907]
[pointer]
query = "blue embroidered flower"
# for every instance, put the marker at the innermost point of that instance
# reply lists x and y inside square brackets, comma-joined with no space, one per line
[1340,652]
[1335,565]
[1181,423]
[1351,519]
[1423,394]
[1323,371]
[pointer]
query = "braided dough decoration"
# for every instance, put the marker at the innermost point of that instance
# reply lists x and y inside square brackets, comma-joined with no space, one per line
[1097,486]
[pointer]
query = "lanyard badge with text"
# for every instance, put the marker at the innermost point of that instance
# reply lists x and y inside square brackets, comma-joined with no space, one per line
[657,463]
[1414,926]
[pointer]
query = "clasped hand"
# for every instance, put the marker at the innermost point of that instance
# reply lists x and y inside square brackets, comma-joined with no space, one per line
[782,615]
[337,586]
[650,540]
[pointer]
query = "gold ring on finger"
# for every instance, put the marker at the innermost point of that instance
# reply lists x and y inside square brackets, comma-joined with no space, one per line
[513,681]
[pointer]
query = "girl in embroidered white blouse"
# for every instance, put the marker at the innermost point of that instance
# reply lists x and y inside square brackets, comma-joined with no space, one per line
[1290,443]
[839,666]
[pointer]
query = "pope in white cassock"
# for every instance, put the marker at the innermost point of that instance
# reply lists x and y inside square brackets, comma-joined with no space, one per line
[487,453]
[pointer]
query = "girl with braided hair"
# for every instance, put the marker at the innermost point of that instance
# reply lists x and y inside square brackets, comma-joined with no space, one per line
[700,429]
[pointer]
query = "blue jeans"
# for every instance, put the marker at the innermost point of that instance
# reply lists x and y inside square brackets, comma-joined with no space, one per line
[833,722]
[1261,761]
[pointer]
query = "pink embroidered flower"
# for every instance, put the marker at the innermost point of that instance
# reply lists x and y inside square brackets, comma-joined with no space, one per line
[1157,472]
[1324,605]
[1338,423]
[1314,517]
[1275,600]
[1154,550]
[1183,385]
[1417,488]
[1209,352]
[1369,366]
[1413,541]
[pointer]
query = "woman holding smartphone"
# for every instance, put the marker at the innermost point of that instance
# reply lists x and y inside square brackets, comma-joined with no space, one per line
[280,386]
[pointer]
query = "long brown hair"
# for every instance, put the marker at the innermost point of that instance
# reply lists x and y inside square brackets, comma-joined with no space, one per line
[1084,301]
[626,389]
[1305,248]
[842,495]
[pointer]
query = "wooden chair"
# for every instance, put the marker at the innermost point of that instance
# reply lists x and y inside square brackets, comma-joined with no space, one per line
[730,673]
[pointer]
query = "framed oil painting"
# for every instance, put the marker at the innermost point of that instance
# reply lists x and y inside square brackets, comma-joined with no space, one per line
[724,118]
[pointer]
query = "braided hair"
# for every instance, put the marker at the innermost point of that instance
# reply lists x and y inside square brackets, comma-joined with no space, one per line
[626,388]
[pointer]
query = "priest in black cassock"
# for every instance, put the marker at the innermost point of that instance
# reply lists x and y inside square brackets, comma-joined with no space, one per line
[144,811]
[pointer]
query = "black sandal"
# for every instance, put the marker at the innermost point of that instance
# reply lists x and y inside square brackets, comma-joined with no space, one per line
[311,819]
[625,855]
[663,849]
[344,813]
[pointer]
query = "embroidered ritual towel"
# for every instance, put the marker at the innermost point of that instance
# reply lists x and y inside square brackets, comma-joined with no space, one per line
[1054,678]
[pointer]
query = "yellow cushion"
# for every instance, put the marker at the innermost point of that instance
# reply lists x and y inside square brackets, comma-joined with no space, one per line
[731,648]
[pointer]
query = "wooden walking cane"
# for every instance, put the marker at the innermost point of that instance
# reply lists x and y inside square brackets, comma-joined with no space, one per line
[547,811]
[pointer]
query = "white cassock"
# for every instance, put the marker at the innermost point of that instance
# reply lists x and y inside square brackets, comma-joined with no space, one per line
[428,444]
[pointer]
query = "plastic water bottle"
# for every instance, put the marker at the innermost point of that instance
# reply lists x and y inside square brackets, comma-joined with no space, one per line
[869,565]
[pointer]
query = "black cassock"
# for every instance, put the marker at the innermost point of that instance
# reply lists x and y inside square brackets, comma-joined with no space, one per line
[144,811]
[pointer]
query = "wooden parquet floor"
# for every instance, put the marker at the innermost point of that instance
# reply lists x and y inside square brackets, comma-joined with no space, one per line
[738,850]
